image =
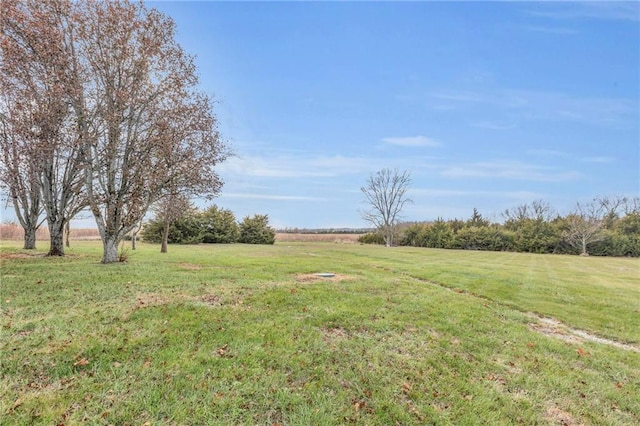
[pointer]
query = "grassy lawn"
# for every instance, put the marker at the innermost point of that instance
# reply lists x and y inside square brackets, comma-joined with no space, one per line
[240,334]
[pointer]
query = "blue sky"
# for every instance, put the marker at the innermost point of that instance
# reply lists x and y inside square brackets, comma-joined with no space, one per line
[487,104]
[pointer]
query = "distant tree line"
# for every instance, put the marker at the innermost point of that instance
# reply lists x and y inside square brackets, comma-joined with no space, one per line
[605,226]
[213,225]
[324,230]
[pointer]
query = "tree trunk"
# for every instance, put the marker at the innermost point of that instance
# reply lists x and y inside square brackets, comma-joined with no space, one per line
[388,236]
[134,238]
[56,240]
[29,238]
[67,231]
[110,250]
[584,248]
[165,237]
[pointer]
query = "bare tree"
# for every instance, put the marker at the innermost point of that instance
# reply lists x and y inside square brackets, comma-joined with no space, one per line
[134,234]
[611,207]
[34,69]
[585,225]
[385,194]
[19,174]
[145,129]
[631,206]
[538,210]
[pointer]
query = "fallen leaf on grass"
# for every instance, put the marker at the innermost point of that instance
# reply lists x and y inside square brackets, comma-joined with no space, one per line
[619,385]
[16,404]
[81,362]
[496,378]
[223,351]
[582,352]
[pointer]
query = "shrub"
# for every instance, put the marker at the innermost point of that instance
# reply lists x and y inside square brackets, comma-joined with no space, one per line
[537,236]
[219,226]
[186,230]
[152,232]
[413,234]
[371,238]
[256,230]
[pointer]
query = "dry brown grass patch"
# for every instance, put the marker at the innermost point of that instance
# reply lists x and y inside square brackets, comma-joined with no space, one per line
[190,266]
[557,416]
[146,300]
[553,328]
[333,334]
[20,255]
[211,300]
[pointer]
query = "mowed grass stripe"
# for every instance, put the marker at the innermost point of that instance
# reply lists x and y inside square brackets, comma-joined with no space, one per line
[240,335]
[599,295]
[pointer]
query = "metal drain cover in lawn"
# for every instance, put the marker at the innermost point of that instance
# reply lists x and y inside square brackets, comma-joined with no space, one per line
[325,275]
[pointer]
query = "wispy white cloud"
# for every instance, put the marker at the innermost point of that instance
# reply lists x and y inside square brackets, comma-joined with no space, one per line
[295,166]
[551,30]
[443,107]
[510,170]
[271,197]
[412,141]
[598,159]
[603,10]
[458,96]
[546,153]
[529,105]
[452,193]
[601,159]
[493,125]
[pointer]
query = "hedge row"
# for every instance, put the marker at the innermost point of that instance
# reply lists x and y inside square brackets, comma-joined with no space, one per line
[213,225]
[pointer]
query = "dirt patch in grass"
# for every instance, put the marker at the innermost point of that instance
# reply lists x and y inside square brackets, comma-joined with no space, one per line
[311,278]
[146,300]
[190,266]
[20,255]
[560,417]
[334,334]
[211,300]
[553,328]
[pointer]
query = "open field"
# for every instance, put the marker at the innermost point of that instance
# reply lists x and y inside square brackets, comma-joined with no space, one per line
[289,237]
[237,334]
[14,232]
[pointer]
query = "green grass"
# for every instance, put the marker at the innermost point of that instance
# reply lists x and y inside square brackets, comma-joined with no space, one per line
[237,334]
